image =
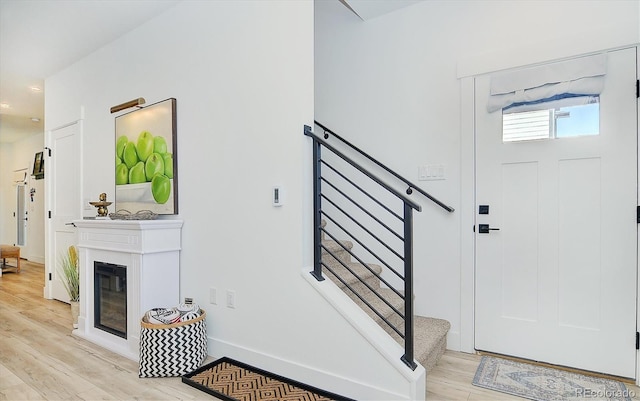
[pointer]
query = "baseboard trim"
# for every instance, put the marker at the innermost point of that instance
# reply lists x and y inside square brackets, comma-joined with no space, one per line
[453,341]
[36,259]
[303,373]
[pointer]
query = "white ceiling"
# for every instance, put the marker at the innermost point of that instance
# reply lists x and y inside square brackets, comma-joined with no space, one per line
[39,38]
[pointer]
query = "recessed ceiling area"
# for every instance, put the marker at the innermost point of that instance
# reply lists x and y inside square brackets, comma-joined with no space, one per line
[368,9]
[39,38]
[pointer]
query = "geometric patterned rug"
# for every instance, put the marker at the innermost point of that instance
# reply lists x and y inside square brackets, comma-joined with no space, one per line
[545,384]
[235,381]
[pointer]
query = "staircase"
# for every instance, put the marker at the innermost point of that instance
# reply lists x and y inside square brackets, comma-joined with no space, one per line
[362,207]
[430,340]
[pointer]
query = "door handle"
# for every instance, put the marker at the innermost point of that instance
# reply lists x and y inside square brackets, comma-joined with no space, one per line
[484,229]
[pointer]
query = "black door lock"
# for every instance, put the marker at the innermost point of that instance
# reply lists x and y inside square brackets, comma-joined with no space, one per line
[484,229]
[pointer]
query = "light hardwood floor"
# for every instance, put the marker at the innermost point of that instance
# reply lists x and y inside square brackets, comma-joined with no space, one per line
[41,360]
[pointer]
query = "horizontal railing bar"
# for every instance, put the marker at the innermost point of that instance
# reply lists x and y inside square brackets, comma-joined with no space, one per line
[361,226]
[308,132]
[362,190]
[361,244]
[368,213]
[387,169]
[379,277]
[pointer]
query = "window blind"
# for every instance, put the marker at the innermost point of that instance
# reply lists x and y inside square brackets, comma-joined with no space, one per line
[547,83]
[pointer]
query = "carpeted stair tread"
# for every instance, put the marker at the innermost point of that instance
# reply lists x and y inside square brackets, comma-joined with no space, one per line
[380,305]
[334,245]
[430,340]
[430,334]
[359,269]
[336,249]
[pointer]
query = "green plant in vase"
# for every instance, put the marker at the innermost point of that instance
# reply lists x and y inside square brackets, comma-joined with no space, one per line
[70,277]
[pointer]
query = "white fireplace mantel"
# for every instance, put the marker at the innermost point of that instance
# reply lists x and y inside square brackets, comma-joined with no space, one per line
[150,249]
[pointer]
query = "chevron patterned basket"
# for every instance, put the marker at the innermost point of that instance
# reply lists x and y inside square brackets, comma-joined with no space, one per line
[172,349]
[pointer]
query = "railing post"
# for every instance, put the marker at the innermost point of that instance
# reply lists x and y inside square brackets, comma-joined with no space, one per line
[408,358]
[317,218]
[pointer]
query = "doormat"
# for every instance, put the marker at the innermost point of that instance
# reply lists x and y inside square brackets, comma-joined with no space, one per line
[545,384]
[235,381]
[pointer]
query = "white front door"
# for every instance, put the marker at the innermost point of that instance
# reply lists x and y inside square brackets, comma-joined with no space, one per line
[557,282]
[64,201]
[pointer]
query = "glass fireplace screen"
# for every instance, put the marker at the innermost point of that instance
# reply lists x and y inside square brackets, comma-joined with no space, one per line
[110,298]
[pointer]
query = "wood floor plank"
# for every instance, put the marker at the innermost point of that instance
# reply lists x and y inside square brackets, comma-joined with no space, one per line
[41,360]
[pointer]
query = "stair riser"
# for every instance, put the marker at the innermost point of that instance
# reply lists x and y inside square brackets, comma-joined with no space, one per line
[383,309]
[431,359]
[340,254]
[358,286]
[334,264]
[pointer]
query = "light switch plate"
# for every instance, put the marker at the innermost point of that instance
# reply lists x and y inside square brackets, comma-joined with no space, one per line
[431,172]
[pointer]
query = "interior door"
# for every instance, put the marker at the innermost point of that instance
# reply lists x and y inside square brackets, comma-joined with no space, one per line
[64,201]
[557,260]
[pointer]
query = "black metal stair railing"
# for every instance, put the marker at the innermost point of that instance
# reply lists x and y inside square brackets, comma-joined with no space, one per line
[357,211]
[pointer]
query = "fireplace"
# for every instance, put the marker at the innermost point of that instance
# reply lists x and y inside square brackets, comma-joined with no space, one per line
[110,298]
[126,268]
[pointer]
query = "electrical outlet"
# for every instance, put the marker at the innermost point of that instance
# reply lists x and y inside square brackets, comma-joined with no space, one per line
[213,296]
[231,299]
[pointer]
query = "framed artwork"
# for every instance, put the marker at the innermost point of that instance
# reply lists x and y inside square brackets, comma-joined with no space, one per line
[145,162]
[38,166]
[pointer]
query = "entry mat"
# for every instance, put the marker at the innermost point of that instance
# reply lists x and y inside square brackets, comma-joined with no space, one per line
[546,384]
[231,380]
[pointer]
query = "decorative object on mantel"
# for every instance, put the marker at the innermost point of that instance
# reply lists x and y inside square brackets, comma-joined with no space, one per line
[139,215]
[102,205]
[145,163]
[70,273]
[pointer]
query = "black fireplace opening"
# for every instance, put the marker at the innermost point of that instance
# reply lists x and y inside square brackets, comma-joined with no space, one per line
[110,298]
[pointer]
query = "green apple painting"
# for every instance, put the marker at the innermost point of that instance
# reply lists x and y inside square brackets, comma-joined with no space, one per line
[145,162]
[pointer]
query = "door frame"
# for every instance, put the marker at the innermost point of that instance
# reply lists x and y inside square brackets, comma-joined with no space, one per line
[466,77]
[50,255]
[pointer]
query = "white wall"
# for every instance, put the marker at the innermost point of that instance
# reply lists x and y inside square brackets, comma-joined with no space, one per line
[17,156]
[242,74]
[394,85]
[7,222]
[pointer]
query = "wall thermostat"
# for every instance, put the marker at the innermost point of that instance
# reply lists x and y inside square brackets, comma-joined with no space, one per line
[277,196]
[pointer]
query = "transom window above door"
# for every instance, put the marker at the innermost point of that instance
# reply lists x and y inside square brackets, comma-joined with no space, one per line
[579,117]
[549,101]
